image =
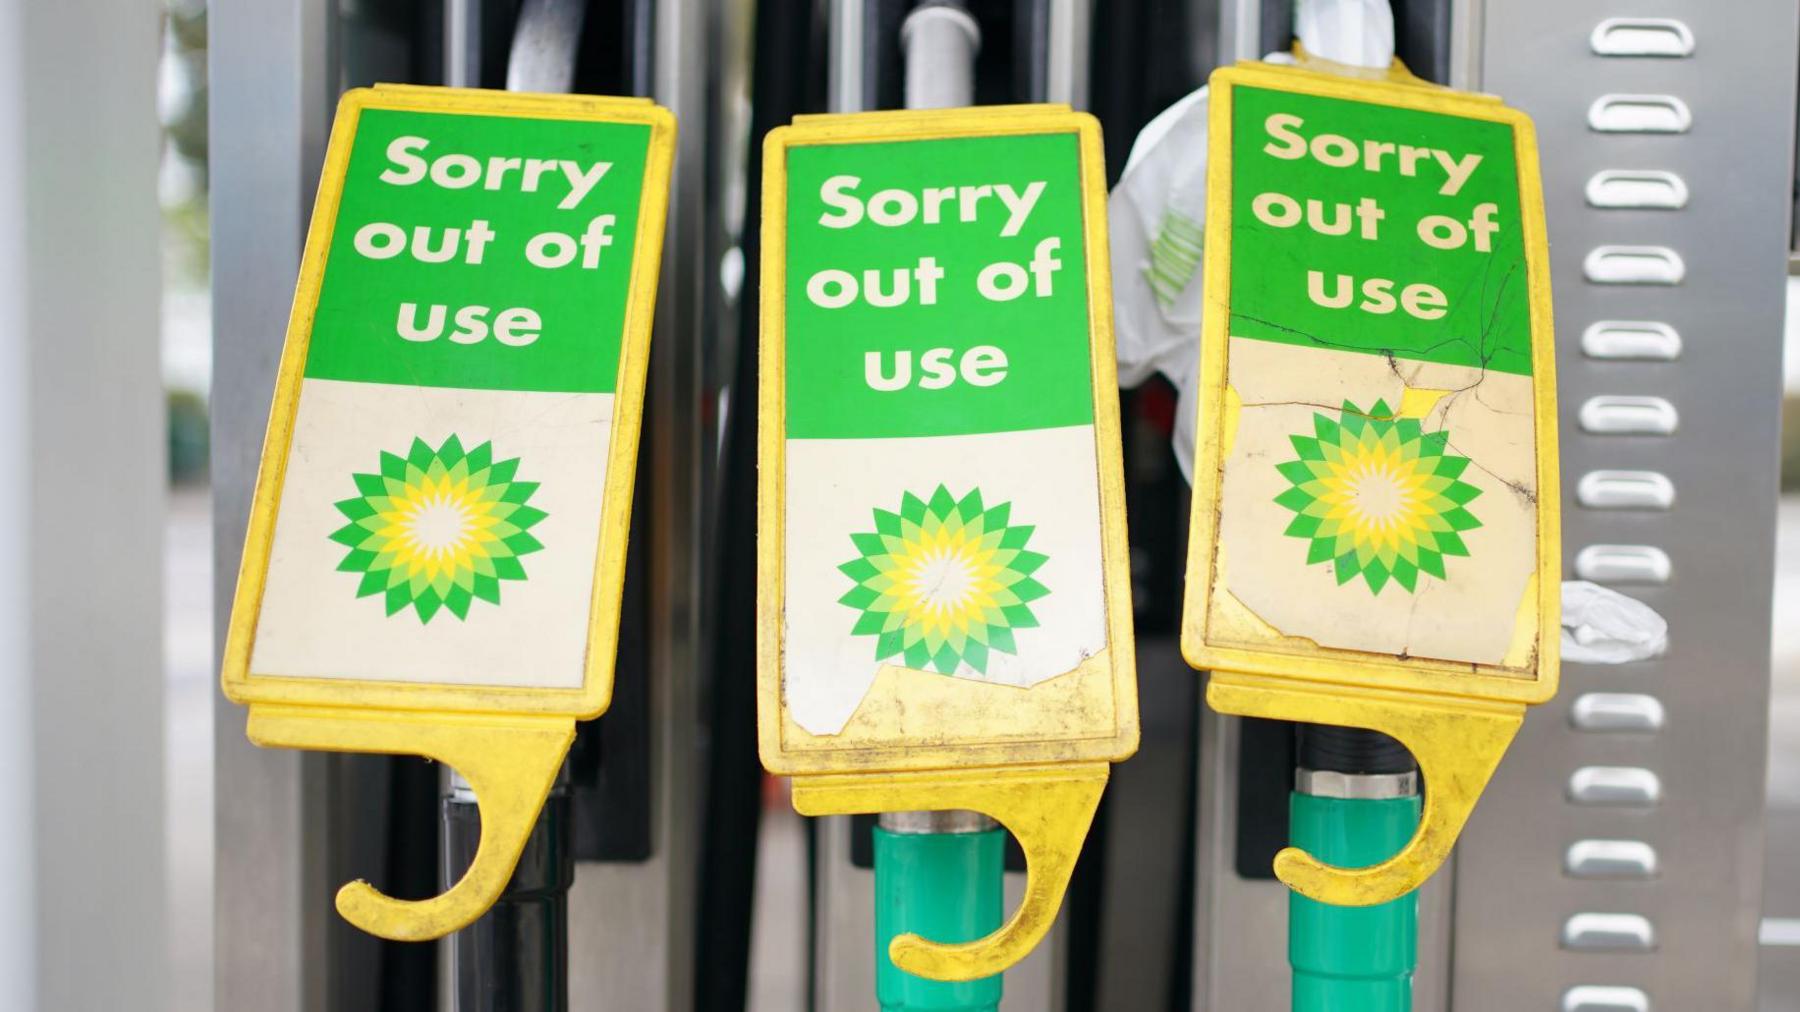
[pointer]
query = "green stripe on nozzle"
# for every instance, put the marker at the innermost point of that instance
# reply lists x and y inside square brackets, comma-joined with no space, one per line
[1355,803]
[938,875]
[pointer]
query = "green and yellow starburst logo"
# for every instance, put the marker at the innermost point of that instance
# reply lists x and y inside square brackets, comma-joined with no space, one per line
[438,528]
[1377,496]
[943,582]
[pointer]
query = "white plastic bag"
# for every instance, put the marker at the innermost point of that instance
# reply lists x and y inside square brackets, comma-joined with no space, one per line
[1157,213]
[1602,626]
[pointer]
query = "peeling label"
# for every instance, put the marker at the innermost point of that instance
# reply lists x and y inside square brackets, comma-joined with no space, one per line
[942,437]
[1371,477]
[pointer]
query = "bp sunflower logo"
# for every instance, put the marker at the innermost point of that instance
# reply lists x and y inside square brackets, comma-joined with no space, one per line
[943,582]
[1377,497]
[438,528]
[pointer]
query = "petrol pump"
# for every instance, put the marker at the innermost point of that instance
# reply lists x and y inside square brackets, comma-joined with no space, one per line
[1371,426]
[886,55]
[628,791]
[1611,864]
[962,449]
[1567,865]
[512,347]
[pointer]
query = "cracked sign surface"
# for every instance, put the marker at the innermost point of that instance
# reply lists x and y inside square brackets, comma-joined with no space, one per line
[942,441]
[1376,372]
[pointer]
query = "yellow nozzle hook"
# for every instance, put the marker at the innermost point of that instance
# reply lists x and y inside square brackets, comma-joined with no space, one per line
[1047,808]
[1458,744]
[510,762]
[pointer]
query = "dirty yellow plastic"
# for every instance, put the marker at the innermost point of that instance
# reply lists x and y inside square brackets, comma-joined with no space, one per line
[1036,759]
[1047,808]
[1457,719]
[1458,744]
[591,698]
[511,762]
[508,742]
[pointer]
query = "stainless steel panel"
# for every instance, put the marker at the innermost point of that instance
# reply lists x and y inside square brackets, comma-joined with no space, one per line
[844,69]
[84,908]
[631,925]
[1142,847]
[1628,859]
[1240,31]
[1631,339]
[1634,265]
[1071,40]
[1512,891]
[462,43]
[939,46]
[1640,114]
[1642,37]
[1639,189]
[272,88]
[1625,490]
[1616,711]
[1609,933]
[544,44]
[1623,564]
[1602,998]
[1625,414]
[1629,786]
[1465,43]
[1779,931]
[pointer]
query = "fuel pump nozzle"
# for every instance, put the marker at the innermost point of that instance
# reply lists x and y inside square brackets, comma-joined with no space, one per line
[937,874]
[1356,802]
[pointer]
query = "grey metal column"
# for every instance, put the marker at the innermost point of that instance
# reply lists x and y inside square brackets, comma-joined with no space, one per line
[81,665]
[1240,31]
[272,93]
[631,926]
[1071,41]
[1466,20]
[844,74]
[1616,860]
[545,43]
[18,849]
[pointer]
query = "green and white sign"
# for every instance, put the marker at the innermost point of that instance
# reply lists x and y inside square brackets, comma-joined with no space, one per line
[1378,407]
[1378,230]
[451,455]
[941,460]
[959,265]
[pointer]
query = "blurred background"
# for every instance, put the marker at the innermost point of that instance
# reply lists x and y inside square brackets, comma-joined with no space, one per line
[160,169]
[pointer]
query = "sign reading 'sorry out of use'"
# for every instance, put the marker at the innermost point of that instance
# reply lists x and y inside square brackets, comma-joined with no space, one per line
[941,511]
[1377,473]
[437,539]
[445,490]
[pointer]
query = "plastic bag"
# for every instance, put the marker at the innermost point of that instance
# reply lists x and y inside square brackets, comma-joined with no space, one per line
[1603,626]
[1157,214]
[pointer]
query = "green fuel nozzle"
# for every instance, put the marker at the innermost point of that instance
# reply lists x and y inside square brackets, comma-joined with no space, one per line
[938,875]
[1355,803]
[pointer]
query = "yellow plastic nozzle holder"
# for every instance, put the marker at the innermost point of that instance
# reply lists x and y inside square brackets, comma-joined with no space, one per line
[510,761]
[1458,743]
[1047,808]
